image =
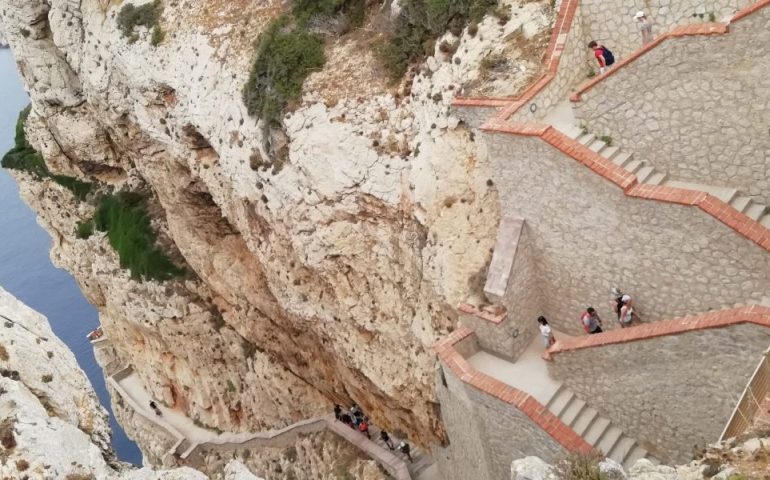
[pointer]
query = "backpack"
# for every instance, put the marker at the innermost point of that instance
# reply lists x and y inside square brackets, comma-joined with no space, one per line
[609,58]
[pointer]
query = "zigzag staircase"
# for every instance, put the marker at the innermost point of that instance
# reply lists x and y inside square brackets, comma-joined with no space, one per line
[647,174]
[596,430]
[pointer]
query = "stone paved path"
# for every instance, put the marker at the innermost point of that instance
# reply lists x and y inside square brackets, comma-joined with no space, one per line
[189,436]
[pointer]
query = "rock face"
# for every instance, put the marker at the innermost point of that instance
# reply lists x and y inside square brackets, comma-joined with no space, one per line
[325,279]
[51,423]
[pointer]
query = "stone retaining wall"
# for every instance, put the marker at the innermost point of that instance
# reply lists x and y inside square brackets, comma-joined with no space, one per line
[611,22]
[694,106]
[588,236]
[673,393]
[486,433]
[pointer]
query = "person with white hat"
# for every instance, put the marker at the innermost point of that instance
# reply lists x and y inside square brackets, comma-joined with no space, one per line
[626,315]
[645,26]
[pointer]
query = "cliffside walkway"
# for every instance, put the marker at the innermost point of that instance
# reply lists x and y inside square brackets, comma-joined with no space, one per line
[189,438]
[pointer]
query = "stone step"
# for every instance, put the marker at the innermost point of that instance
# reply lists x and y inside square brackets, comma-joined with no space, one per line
[765,301]
[741,203]
[584,420]
[573,132]
[621,449]
[596,431]
[765,220]
[644,173]
[586,139]
[633,166]
[755,211]
[597,146]
[572,411]
[610,152]
[725,194]
[609,439]
[560,401]
[622,158]
[657,178]
[635,454]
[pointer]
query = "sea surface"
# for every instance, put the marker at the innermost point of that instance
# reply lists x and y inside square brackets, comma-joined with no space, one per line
[26,270]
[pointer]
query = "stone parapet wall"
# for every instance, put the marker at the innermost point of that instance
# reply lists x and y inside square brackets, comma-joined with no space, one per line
[490,424]
[512,285]
[565,59]
[694,106]
[588,235]
[611,22]
[673,393]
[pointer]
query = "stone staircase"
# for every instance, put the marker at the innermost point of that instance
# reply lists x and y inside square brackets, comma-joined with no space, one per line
[422,459]
[596,430]
[648,175]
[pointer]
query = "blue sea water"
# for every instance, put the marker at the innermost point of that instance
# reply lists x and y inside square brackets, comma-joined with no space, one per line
[26,270]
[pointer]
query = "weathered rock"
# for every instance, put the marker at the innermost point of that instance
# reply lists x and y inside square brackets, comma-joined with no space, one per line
[531,468]
[51,423]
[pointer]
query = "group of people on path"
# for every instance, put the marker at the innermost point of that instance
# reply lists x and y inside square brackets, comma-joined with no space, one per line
[622,305]
[605,57]
[355,419]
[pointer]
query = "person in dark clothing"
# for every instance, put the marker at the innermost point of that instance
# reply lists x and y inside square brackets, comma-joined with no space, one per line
[345,418]
[337,412]
[386,439]
[404,448]
[154,407]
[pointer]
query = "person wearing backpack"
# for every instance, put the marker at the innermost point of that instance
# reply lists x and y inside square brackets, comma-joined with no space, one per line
[603,55]
[591,322]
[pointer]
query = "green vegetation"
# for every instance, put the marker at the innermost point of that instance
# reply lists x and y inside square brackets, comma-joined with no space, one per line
[353,10]
[24,158]
[84,229]
[125,219]
[579,467]
[606,139]
[158,35]
[47,378]
[131,16]
[285,57]
[421,22]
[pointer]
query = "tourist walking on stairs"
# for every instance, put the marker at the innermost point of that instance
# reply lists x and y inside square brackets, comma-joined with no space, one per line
[404,448]
[591,321]
[363,427]
[546,332]
[337,412]
[386,439]
[626,313]
[645,26]
[602,54]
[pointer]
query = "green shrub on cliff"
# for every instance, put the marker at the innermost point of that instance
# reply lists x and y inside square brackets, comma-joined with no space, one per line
[131,16]
[285,57]
[420,23]
[353,10]
[24,158]
[125,219]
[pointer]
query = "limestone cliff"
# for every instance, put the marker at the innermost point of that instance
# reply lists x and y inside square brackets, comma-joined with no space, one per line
[327,278]
[51,423]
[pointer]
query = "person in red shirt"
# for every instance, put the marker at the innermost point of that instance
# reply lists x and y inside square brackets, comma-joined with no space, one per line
[602,54]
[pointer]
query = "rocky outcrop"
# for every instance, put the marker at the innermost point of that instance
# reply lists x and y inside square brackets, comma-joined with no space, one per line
[324,278]
[51,423]
[748,457]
